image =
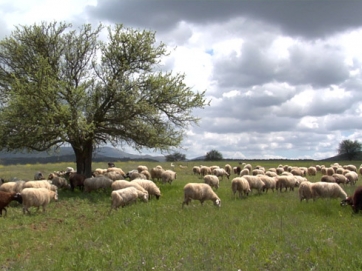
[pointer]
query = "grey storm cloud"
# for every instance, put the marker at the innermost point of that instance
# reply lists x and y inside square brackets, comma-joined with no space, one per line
[309,19]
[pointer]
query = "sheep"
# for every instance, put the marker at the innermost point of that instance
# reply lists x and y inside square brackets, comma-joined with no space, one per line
[38,176]
[305,191]
[134,174]
[285,181]
[352,177]
[12,187]
[76,180]
[114,175]
[212,180]
[355,200]
[125,196]
[328,190]
[147,174]
[340,179]
[36,197]
[156,173]
[196,170]
[40,184]
[270,182]
[312,171]
[257,171]
[255,182]
[110,164]
[95,183]
[351,167]
[99,171]
[116,185]
[248,166]
[330,171]
[204,170]
[6,198]
[60,182]
[328,179]
[150,187]
[141,168]
[271,173]
[228,168]
[220,172]
[168,176]
[201,192]
[297,171]
[280,170]
[69,169]
[241,185]
[116,169]
[237,170]
[243,172]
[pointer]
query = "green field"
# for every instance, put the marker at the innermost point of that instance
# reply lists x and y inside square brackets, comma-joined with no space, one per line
[273,231]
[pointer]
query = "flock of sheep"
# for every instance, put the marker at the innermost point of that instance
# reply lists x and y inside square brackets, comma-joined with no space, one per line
[140,184]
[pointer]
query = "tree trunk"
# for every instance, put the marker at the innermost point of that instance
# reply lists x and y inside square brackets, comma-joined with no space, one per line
[83,156]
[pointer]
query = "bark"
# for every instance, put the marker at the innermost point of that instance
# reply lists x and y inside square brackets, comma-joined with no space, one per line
[83,156]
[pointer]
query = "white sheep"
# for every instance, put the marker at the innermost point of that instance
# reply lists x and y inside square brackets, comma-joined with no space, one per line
[141,168]
[255,182]
[150,187]
[212,180]
[312,171]
[12,187]
[147,174]
[305,191]
[114,175]
[286,181]
[228,168]
[125,196]
[328,190]
[168,176]
[244,171]
[38,176]
[196,170]
[60,182]
[201,192]
[220,172]
[36,197]
[204,170]
[270,182]
[241,185]
[40,184]
[352,177]
[120,184]
[95,183]
[156,173]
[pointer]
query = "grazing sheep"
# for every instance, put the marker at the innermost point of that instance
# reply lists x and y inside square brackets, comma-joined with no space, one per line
[99,171]
[352,177]
[286,181]
[40,184]
[156,173]
[118,170]
[237,170]
[201,192]
[241,185]
[168,176]
[270,182]
[212,180]
[297,172]
[351,167]
[255,182]
[95,183]
[204,170]
[36,197]
[312,171]
[120,184]
[76,180]
[12,187]
[150,187]
[355,200]
[248,166]
[134,174]
[125,196]
[340,178]
[147,174]
[243,172]
[271,173]
[60,182]
[141,168]
[328,190]
[330,171]
[280,170]
[38,176]
[305,191]
[220,172]
[196,170]
[114,175]
[6,198]
[228,168]
[328,179]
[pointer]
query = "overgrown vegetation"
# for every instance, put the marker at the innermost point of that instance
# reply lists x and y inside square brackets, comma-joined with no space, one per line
[272,231]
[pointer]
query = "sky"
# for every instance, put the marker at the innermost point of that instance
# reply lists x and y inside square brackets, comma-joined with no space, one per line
[283,78]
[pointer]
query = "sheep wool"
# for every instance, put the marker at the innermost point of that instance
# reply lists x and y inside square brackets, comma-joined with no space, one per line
[40,184]
[12,187]
[150,187]
[120,184]
[36,197]
[123,197]
[6,198]
[168,176]
[255,182]
[212,180]
[328,190]
[96,183]
[201,192]
[241,185]
[305,191]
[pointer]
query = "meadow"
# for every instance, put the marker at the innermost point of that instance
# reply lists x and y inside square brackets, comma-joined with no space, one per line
[271,231]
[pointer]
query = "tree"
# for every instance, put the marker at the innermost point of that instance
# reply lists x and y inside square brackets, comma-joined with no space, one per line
[213,155]
[349,148]
[176,156]
[63,86]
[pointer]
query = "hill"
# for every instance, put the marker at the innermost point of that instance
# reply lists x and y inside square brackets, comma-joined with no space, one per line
[66,154]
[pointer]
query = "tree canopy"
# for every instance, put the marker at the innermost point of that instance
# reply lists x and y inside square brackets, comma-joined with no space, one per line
[349,148]
[213,155]
[60,85]
[176,156]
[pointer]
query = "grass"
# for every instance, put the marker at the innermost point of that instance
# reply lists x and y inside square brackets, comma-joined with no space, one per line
[272,231]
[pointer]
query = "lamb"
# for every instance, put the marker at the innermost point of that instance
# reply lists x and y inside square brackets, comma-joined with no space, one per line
[220,172]
[6,198]
[168,176]
[305,191]
[12,187]
[201,192]
[241,185]
[212,180]
[150,187]
[355,200]
[37,197]
[125,196]
[328,190]
[255,182]
[40,184]
[352,177]
[123,184]
[270,182]
[95,183]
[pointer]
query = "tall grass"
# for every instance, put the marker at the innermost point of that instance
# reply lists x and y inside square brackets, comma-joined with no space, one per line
[273,231]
